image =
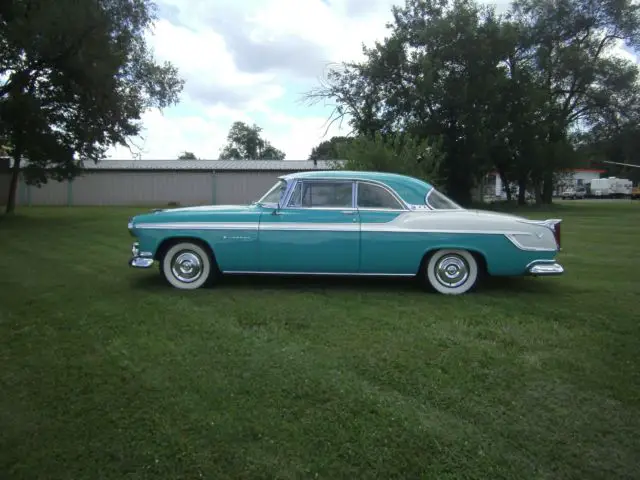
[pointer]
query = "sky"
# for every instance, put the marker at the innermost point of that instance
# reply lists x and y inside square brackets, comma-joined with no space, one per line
[252,61]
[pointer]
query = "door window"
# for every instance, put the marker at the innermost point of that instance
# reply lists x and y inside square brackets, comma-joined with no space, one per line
[322,195]
[374,196]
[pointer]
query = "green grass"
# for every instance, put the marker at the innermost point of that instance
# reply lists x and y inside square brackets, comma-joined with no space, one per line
[106,373]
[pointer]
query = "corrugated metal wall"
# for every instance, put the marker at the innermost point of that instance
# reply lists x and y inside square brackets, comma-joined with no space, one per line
[243,187]
[147,188]
[143,188]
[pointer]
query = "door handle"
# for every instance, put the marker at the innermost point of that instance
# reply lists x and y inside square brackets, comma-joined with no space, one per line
[349,212]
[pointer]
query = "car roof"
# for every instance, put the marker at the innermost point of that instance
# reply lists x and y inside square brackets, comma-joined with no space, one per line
[412,190]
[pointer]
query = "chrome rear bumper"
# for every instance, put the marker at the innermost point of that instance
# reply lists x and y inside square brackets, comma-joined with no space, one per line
[545,269]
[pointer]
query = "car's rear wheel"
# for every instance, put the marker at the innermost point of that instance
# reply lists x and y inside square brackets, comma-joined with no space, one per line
[452,272]
[186,266]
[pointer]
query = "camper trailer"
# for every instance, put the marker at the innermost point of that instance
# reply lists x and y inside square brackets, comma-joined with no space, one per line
[611,187]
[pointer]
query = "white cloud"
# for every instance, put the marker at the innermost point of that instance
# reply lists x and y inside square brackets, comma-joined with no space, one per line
[212,43]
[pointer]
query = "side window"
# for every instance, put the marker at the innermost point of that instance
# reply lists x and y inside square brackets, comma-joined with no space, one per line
[322,194]
[374,196]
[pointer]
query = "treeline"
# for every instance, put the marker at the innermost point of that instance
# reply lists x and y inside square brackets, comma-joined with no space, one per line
[466,91]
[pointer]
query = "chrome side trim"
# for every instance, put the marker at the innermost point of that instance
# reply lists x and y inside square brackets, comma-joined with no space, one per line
[544,268]
[336,274]
[200,226]
[385,227]
[322,227]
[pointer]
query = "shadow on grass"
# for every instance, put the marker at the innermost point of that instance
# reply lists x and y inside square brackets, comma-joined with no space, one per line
[302,283]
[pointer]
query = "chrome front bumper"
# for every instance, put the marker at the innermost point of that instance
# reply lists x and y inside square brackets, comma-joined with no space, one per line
[138,261]
[541,268]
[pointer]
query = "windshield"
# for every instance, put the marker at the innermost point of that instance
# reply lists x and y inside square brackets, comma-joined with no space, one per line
[439,201]
[275,193]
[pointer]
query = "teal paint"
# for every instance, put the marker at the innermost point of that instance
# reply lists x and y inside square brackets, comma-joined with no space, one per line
[259,238]
[314,251]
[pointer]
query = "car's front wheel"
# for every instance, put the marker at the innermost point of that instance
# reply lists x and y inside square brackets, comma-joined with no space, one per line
[186,266]
[452,272]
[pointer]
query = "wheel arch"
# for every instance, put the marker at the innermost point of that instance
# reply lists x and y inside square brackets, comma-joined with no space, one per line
[168,242]
[479,256]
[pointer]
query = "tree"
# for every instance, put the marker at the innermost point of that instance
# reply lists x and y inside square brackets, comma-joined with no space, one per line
[245,143]
[75,78]
[565,46]
[436,76]
[509,92]
[329,149]
[187,156]
[393,153]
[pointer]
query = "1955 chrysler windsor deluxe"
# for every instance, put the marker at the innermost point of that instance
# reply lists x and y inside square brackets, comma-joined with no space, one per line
[345,223]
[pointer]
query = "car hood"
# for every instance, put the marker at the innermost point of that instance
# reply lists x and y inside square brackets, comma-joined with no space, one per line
[199,213]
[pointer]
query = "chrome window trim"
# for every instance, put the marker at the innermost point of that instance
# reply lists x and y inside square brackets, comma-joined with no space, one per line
[274,205]
[404,206]
[291,189]
[426,201]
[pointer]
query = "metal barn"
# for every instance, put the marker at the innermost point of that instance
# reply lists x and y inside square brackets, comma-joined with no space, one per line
[161,182]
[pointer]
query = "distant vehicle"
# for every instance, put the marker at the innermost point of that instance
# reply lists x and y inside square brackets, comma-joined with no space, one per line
[635,192]
[600,187]
[345,223]
[574,193]
[611,187]
[621,187]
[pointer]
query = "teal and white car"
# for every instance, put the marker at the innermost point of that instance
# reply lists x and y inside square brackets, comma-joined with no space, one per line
[345,223]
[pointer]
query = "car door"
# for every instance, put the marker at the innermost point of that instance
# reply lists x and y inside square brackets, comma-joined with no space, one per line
[317,231]
[383,250]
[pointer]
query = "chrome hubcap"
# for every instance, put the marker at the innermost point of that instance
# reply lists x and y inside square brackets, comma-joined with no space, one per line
[452,271]
[186,267]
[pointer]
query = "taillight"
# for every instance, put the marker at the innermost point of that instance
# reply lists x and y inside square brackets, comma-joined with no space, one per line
[556,233]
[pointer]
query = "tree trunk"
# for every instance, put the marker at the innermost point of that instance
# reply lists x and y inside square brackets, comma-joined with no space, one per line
[547,188]
[505,185]
[13,186]
[522,191]
[538,193]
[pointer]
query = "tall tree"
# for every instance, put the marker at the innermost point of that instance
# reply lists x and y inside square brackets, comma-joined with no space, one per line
[566,45]
[436,76]
[187,156]
[244,142]
[506,92]
[329,149]
[75,78]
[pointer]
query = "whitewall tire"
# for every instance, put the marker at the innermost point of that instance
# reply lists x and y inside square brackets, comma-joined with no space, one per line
[186,266]
[452,272]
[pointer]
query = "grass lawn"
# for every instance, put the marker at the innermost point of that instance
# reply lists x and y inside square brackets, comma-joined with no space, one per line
[106,373]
